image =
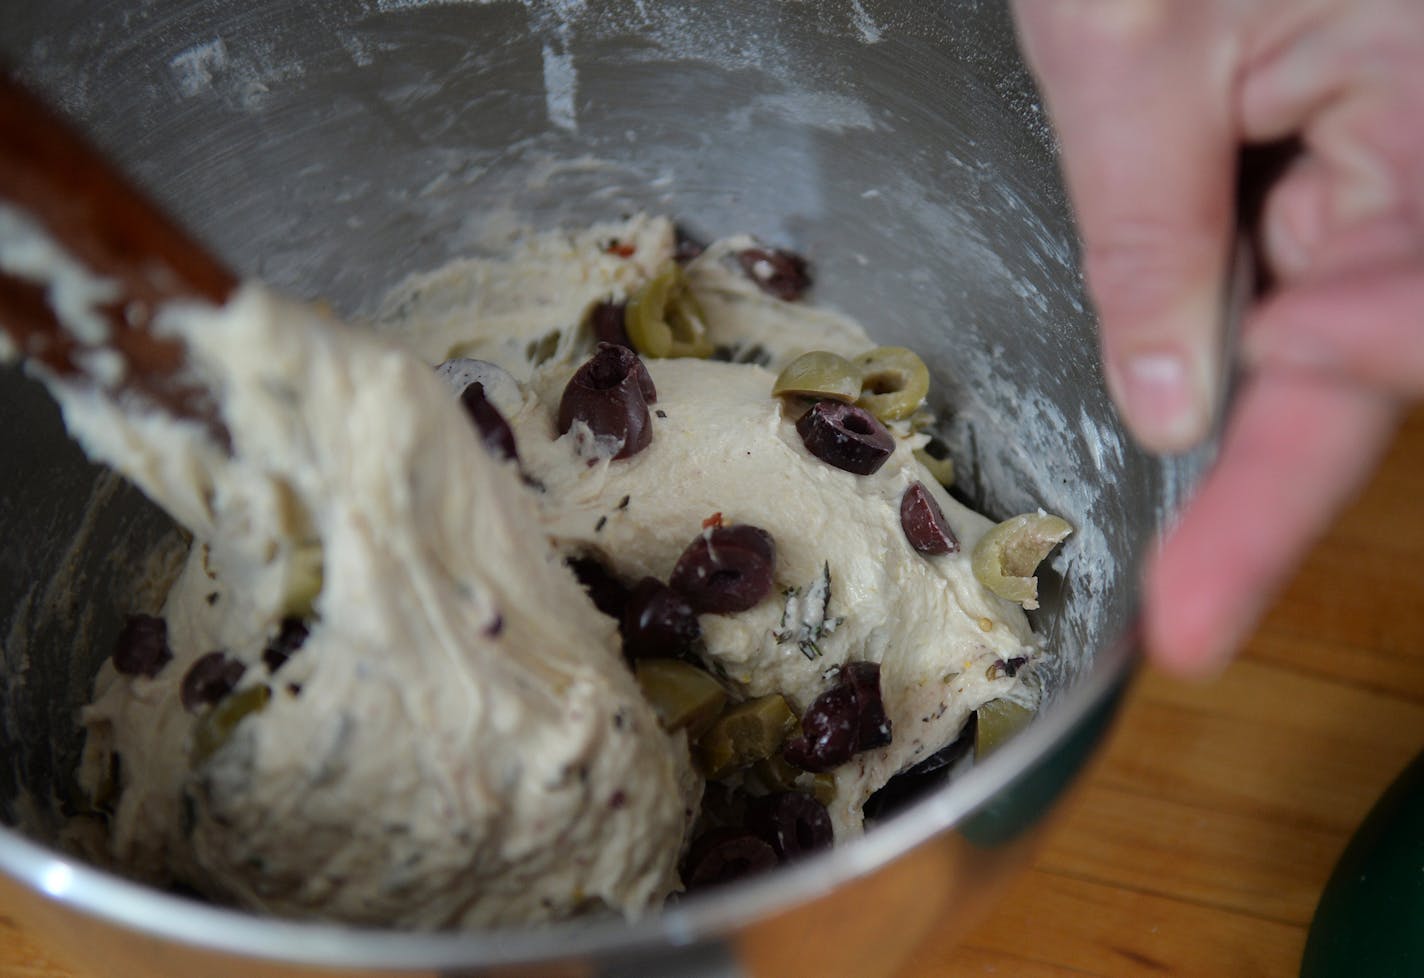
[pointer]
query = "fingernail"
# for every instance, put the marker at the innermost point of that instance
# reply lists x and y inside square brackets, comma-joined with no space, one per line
[1164,396]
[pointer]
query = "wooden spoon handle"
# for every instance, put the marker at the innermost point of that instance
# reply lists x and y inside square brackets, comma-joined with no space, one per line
[60,184]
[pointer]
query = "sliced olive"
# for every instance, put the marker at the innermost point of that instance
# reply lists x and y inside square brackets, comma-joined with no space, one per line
[1006,557]
[215,727]
[820,375]
[745,734]
[683,696]
[941,468]
[893,380]
[142,646]
[664,318]
[304,580]
[776,773]
[998,720]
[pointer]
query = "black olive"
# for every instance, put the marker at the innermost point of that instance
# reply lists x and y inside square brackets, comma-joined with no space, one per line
[142,646]
[722,855]
[611,393]
[924,524]
[494,430]
[290,637]
[209,680]
[783,274]
[845,436]
[794,823]
[844,720]
[726,569]
[657,621]
[605,321]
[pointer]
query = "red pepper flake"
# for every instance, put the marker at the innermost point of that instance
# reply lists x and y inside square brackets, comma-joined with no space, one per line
[622,249]
[715,520]
[618,800]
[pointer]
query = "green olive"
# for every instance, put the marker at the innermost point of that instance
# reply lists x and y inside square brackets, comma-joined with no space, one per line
[541,351]
[304,580]
[215,727]
[777,774]
[682,695]
[820,375]
[664,318]
[893,380]
[745,734]
[998,721]
[1005,558]
[941,468]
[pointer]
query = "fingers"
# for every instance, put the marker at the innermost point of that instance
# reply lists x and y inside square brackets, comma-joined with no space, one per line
[1140,94]
[1299,447]
[1366,327]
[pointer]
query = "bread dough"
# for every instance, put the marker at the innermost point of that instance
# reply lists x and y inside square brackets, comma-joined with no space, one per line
[459,743]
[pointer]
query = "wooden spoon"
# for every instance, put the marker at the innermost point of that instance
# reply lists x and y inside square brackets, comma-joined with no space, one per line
[62,185]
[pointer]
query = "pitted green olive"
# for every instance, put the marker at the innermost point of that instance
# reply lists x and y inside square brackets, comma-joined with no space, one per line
[777,774]
[682,695]
[215,727]
[941,468]
[745,734]
[664,318]
[998,721]
[304,580]
[820,375]
[1005,558]
[894,381]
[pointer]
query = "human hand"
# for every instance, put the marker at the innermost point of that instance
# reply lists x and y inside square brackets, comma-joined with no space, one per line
[1152,100]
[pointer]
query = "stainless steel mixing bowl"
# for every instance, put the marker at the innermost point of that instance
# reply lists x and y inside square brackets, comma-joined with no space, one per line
[334,146]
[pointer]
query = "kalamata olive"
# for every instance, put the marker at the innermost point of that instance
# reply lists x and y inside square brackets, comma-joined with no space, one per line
[685,247]
[925,776]
[844,720]
[611,393]
[501,389]
[290,636]
[142,646]
[726,569]
[495,433]
[783,274]
[657,621]
[845,436]
[209,680]
[605,322]
[725,854]
[874,728]
[830,731]
[606,591]
[794,823]
[924,524]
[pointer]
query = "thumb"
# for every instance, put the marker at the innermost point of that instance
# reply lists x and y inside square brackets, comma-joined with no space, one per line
[1140,94]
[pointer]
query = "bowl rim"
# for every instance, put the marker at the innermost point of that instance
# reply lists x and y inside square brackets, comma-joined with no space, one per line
[98,893]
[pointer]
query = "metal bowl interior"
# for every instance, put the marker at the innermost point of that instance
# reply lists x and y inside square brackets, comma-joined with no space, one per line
[333,148]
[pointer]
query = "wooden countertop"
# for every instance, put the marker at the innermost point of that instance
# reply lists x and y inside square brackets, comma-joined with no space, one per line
[1198,843]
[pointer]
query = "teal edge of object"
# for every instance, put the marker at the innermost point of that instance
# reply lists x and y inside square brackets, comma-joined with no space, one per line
[1020,805]
[1370,919]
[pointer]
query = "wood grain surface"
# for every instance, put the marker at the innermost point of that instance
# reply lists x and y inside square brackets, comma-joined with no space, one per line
[1198,843]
